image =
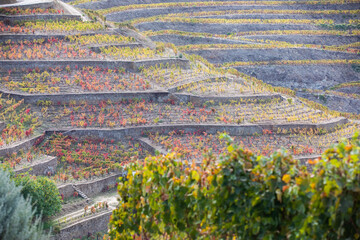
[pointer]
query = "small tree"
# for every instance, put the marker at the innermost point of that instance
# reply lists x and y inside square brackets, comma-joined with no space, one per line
[17,219]
[43,192]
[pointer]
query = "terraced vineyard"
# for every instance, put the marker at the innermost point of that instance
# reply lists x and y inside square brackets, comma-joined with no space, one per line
[311,47]
[80,99]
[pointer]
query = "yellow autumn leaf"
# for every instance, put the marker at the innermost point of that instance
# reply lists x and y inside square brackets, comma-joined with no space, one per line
[171,155]
[230,148]
[195,175]
[286,178]
[298,181]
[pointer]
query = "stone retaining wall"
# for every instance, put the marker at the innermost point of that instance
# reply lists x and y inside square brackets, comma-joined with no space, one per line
[90,188]
[63,63]
[155,96]
[129,65]
[183,63]
[151,147]
[95,187]
[25,144]
[85,227]
[200,100]
[28,37]
[96,49]
[236,130]
[47,17]
[32,37]
[152,95]
[40,168]
[66,190]
[212,79]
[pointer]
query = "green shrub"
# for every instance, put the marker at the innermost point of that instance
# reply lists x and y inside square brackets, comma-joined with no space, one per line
[43,192]
[17,219]
[242,197]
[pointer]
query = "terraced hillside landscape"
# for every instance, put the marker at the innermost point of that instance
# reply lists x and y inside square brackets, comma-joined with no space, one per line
[87,90]
[310,47]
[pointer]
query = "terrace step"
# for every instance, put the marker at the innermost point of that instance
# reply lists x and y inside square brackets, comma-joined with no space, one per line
[54,17]
[153,95]
[132,66]
[237,130]
[91,187]
[97,49]
[156,95]
[201,79]
[74,210]
[20,145]
[149,145]
[200,100]
[84,226]
[81,193]
[46,165]
[36,36]
[187,76]
[72,207]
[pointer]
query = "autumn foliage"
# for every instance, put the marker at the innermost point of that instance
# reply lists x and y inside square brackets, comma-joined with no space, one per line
[242,197]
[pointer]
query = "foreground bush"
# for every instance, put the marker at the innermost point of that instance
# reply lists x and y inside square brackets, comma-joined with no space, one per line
[17,219]
[242,197]
[43,193]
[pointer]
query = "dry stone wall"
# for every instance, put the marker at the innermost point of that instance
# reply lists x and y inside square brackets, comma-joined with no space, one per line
[236,130]
[200,100]
[84,228]
[156,96]
[47,17]
[129,65]
[90,188]
[25,144]
[45,167]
